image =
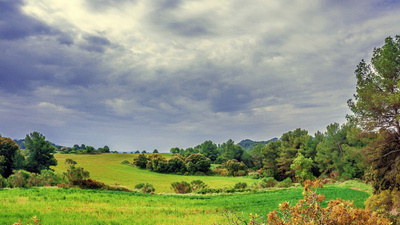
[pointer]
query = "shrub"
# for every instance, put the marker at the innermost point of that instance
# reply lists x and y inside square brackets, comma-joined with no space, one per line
[92,184]
[387,204]
[233,167]
[310,211]
[207,190]
[125,162]
[181,187]
[3,182]
[19,179]
[268,182]
[285,183]
[240,186]
[141,161]
[198,184]
[145,187]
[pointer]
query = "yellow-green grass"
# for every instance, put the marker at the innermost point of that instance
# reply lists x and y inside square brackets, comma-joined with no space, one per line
[75,206]
[107,168]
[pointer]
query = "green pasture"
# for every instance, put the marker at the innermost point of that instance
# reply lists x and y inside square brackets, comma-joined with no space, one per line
[75,206]
[107,168]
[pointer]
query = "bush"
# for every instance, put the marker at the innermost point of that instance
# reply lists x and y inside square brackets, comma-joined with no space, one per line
[268,182]
[310,211]
[145,187]
[207,190]
[181,187]
[198,184]
[3,182]
[387,204]
[285,183]
[19,179]
[92,184]
[125,162]
[240,186]
[141,161]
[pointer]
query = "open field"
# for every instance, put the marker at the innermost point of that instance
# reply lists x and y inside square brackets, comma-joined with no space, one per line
[75,206]
[107,168]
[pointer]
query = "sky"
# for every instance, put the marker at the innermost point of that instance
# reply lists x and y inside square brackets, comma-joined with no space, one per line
[145,75]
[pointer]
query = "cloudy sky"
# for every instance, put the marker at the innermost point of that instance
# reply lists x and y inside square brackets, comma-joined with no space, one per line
[144,75]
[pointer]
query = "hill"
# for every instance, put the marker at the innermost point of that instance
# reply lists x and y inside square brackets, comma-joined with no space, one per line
[248,144]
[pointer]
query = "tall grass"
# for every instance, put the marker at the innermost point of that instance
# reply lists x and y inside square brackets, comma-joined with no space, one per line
[75,206]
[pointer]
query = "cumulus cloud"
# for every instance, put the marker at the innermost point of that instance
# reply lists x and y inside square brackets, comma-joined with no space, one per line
[157,74]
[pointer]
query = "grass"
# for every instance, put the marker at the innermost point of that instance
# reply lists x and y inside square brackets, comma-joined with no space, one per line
[75,206]
[107,168]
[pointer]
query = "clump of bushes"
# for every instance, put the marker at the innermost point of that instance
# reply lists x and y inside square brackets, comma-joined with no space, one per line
[285,183]
[386,204]
[268,182]
[145,188]
[182,187]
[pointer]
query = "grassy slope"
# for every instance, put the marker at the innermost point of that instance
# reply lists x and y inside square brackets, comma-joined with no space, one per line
[74,206]
[107,168]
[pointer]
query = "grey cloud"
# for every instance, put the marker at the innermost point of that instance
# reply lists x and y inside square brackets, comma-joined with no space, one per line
[15,25]
[95,44]
[104,5]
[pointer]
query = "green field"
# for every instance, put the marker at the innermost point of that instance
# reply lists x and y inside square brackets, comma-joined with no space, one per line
[75,206]
[107,168]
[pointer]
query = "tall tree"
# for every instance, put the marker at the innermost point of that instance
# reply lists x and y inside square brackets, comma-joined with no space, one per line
[376,106]
[40,153]
[8,150]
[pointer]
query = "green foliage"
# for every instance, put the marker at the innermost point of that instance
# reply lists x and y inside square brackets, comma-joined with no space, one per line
[270,155]
[176,164]
[240,186]
[198,163]
[182,187]
[302,167]
[141,161]
[292,143]
[231,151]
[285,183]
[125,162]
[236,168]
[387,204]
[75,175]
[268,182]
[3,182]
[145,188]
[40,153]
[8,150]
[197,185]
[209,150]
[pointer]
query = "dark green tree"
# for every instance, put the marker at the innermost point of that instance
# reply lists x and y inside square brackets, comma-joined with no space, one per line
[376,106]
[209,150]
[8,150]
[40,153]
[271,154]
[140,161]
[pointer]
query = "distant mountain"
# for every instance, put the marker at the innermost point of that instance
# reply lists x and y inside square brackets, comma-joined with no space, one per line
[248,144]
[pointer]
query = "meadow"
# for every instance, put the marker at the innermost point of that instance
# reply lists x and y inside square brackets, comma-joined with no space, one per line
[107,168]
[76,206]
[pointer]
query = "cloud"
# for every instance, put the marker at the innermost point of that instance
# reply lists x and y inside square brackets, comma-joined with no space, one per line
[181,71]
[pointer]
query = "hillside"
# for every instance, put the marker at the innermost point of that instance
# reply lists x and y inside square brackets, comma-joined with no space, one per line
[248,144]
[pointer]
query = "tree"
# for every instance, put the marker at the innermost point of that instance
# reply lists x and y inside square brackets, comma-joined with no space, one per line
[141,161]
[8,150]
[209,150]
[155,151]
[292,143]
[40,153]
[198,163]
[376,106]
[302,167]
